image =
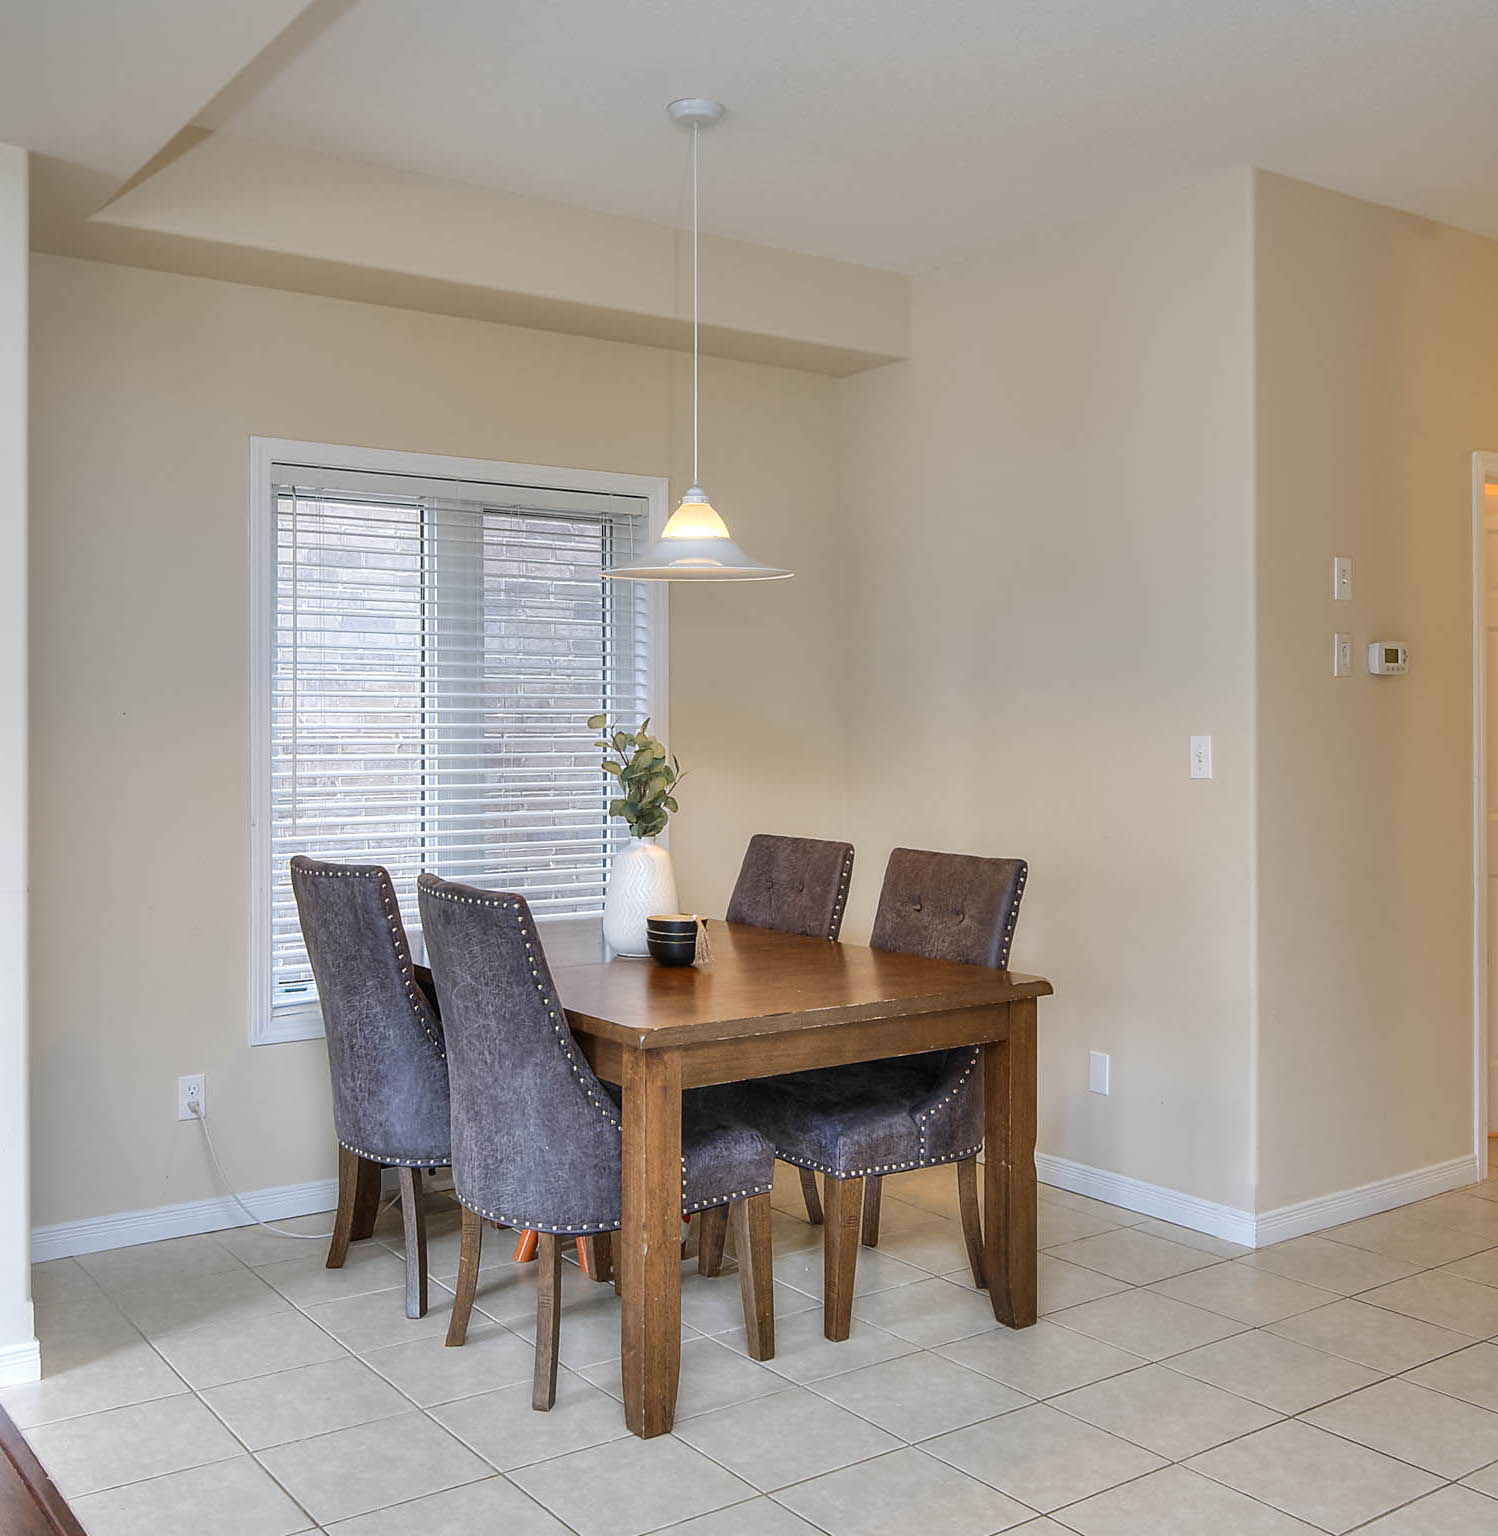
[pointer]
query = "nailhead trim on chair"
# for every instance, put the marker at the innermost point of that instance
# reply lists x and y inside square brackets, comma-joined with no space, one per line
[921,1115]
[397,1162]
[860,1173]
[526,1223]
[1024,874]
[397,938]
[835,926]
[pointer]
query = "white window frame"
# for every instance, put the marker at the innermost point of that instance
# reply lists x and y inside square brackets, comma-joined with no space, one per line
[266,453]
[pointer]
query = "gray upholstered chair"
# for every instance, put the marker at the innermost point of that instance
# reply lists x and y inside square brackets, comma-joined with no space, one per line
[385,1050]
[536,1135]
[854,1124]
[793,885]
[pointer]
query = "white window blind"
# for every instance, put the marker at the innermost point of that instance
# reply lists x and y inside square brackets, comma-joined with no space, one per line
[437,647]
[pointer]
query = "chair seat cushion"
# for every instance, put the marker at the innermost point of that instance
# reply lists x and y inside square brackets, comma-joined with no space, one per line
[723,1156]
[871,1117]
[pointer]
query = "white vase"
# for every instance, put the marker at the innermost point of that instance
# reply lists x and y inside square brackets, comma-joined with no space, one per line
[641,883]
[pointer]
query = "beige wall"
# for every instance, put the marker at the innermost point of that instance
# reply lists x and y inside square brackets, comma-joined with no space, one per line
[17,1345]
[1376,338]
[1051,576]
[147,388]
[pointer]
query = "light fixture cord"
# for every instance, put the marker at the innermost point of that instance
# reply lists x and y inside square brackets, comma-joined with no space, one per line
[696,296]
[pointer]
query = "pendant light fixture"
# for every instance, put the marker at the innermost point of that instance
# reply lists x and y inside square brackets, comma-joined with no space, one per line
[694,545]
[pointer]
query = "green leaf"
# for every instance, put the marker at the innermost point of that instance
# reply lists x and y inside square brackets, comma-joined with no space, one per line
[610,767]
[621,741]
[597,722]
[670,803]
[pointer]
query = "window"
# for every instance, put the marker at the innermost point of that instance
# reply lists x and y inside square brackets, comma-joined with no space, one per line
[430,646]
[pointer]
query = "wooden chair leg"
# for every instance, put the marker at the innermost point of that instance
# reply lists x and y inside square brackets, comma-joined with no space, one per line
[548,1320]
[595,1256]
[972,1225]
[751,1242]
[712,1228]
[810,1196]
[871,1187]
[470,1246]
[358,1204]
[414,1222]
[843,1201]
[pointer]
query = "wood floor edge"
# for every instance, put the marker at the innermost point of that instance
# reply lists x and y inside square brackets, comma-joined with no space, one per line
[30,1504]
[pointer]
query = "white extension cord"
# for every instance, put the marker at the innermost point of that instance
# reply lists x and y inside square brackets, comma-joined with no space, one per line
[270,1226]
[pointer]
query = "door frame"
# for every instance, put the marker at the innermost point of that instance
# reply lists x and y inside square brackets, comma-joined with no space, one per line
[1484,473]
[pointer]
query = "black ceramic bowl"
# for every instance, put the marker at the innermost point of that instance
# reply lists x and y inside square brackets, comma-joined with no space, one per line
[672,940]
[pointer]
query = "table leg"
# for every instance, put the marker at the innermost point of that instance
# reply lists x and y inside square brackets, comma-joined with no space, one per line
[649,1245]
[1009,1168]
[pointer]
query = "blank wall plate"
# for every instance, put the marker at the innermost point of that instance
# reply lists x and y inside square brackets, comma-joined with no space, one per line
[1341,579]
[1201,757]
[1098,1064]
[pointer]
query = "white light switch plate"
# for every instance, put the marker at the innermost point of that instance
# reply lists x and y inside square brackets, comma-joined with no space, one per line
[1098,1064]
[1341,579]
[1341,655]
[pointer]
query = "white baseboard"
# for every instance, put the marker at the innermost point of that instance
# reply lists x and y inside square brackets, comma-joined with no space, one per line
[1149,1199]
[1365,1200]
[20,1363]
[1246,1227]
[124,1230]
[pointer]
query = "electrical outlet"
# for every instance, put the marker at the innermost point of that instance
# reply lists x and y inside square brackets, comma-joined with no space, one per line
[192,1097]
[1098,1064]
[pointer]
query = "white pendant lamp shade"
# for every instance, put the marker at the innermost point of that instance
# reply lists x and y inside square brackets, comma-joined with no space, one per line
[694,545]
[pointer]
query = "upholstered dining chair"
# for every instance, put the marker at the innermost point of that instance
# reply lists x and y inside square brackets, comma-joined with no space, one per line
[536,1135]
[855,1124]
[793,885]
[385,1051]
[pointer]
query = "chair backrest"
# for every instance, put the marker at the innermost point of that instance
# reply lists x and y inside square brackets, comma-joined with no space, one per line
[949,906]
[535,1135]
[793,884]
[385,1045]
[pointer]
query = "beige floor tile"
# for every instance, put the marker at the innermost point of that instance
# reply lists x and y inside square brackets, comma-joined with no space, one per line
[1482,1267]
[148,1264]
[1176,1502]
[1147,1324]
[66,1318]
[934,1246]
[260,1245]
[1041,1527]
[716,1305]
[1330,1266]
[1254,1296]
[1056,1225]
[1172,1415]
[491,1507]
[1485,1481]
[1064,1285]
[1470,1374]
[1085,1205]
[803,1352]
[1386,1341]
[506,1431]
[876,1272]
[930,1312]
[1448,1301]
[1135,1257]
[918,1396]
[90,1374]
[59,1279]
[630,1486]
[214,1353]
[1462,1211]
[928,1189]
[788,1233]
[1403,1235]
[1042,1457]
[590,1328]
[1313,1475]
[757,1517]
[353,1471]
[232,1498]
[712,1376]
[222,1299]
[311,1400]
[1218,1247]
[507,1292]
[124,1445]
[379,1319]
[794,1435]
[429,1373]
[903,1492]
[1276,1372]
[1447,1512]
[1441,1434]
[1040,1361]
[307,1280]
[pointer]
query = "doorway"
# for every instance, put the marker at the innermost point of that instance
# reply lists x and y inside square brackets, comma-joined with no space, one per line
[1485,796]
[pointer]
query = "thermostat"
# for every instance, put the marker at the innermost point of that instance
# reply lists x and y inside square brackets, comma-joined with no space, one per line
[1387,658]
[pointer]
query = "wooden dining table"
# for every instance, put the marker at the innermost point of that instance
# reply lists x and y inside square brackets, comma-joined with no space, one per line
[767,1003]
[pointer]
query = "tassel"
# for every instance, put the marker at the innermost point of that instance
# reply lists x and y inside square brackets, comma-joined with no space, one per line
[704,950]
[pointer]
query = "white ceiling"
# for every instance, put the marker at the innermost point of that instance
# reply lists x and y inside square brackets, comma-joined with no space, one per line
[906,133]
